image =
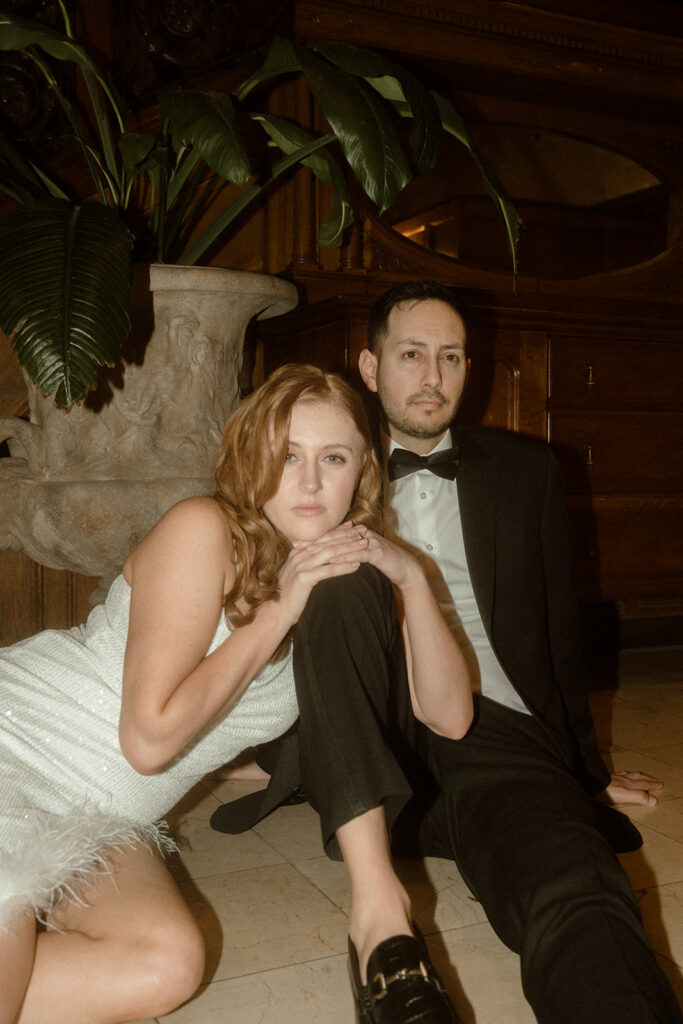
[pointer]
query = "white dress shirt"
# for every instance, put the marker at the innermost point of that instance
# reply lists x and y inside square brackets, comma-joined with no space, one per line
[424,512]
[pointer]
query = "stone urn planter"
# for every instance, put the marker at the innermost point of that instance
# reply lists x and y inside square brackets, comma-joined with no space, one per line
[80,488]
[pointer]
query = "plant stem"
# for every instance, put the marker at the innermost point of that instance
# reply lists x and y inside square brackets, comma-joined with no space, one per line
[197,250]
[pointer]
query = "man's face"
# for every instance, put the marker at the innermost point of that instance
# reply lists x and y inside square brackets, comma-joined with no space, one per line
[420,372]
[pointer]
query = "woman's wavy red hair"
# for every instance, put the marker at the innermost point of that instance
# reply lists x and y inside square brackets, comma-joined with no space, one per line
[249,468]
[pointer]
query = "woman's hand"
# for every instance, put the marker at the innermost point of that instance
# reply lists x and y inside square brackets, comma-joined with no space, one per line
[397,564]
[336,553]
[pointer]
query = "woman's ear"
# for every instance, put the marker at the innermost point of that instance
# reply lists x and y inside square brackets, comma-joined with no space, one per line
[367,365]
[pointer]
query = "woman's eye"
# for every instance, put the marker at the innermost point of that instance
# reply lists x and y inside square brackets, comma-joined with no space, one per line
[336,459]
[290,457]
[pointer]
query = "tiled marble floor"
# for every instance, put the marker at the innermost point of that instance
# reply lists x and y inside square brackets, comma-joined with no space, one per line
[273,907]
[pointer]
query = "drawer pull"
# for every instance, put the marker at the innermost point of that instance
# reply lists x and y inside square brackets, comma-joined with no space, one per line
[588,454]
[589,379]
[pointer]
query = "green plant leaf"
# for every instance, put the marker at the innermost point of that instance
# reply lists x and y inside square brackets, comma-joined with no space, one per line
[207,122]
[290,138]
[282,59]
[455,126]
[400,88]
[142,152]
[65,304]
[21,179]
[19,33]
[363,126]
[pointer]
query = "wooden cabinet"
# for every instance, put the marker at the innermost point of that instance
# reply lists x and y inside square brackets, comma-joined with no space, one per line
[615,420]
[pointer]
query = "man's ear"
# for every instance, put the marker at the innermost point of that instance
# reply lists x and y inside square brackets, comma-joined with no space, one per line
[367,364]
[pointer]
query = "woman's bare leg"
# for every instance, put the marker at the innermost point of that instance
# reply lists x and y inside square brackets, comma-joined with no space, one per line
[17,947]
[380,906]
[132,951]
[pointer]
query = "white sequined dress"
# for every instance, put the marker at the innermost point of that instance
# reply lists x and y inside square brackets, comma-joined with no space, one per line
[67,794]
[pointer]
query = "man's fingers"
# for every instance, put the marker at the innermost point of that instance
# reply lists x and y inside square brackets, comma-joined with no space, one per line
[636,780]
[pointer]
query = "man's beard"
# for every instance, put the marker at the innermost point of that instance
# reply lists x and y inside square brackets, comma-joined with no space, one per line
[425,429]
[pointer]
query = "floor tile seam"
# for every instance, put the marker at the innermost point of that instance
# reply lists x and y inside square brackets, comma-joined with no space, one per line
[316,886]
[279,967]
[473,924]
[647,751]
[226,871]
[653,828]
[259,867]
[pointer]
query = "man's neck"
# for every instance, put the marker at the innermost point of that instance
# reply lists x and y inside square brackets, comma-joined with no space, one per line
[419,445]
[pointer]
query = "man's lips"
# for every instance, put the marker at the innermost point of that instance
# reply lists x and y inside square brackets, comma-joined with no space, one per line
[428,401]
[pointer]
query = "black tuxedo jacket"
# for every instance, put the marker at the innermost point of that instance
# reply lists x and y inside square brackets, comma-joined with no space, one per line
[518,548]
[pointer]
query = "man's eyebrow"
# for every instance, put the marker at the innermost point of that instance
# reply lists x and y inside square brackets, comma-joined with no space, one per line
[416,343]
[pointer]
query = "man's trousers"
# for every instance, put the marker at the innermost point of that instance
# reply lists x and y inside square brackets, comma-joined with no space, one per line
[503,803]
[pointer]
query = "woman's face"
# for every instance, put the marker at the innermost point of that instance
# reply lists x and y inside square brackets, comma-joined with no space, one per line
[324,459]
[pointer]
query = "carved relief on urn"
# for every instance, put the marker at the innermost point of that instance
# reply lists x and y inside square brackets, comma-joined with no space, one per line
[81,487]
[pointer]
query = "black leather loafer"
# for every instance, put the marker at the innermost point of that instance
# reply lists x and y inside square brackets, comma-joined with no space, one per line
[403,986]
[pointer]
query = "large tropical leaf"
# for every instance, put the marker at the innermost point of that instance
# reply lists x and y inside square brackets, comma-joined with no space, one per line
[282,59]
[207,122]
[398,86]
[18,34]
[65,300]
[363,126]
[21,179]
[290,139]
[455,126]
[21,34]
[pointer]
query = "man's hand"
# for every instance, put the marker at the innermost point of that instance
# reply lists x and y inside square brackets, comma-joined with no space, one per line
[631,788]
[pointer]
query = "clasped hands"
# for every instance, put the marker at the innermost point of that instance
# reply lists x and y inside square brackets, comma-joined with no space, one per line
[337,553]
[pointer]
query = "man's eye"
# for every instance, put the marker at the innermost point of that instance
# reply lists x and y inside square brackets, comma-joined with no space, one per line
[410,355]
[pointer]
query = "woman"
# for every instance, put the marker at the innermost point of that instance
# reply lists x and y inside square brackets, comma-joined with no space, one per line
[106,726]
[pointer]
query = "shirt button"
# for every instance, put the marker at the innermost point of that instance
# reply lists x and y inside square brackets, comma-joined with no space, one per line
[423,495]
[430,547]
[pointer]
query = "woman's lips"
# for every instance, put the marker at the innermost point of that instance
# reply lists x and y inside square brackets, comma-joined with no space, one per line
[308,510]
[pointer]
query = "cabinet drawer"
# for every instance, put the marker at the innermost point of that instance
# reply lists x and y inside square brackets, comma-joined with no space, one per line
[598,373]
[619,452]
[627,546]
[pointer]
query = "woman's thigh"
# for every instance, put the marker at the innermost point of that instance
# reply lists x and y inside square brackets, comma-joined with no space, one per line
[129,941]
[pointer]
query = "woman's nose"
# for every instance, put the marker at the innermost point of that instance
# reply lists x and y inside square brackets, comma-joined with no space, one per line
[310,479]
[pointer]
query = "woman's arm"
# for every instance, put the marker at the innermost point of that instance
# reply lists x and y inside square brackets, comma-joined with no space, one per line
[178,575]
[439,682]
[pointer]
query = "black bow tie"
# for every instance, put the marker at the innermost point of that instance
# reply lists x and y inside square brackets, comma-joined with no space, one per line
[443,463]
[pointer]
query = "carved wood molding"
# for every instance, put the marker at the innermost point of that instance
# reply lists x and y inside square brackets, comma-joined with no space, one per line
[514,36]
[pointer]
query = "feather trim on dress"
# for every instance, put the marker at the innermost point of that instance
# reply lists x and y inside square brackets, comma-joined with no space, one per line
[59,856]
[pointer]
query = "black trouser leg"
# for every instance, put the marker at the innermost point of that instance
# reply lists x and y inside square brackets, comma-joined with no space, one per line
[526,839]
[356,726]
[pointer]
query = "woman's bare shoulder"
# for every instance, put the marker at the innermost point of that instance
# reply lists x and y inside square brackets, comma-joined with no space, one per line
[196,522]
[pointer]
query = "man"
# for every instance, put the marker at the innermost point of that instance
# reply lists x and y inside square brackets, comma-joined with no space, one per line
[516,802]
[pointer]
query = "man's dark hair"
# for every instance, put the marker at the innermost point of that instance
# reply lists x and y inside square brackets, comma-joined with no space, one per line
[411,292]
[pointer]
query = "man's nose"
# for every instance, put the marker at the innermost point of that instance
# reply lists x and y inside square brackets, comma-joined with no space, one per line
[432,373]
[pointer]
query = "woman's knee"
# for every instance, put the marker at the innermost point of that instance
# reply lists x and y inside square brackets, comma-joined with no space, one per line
[172,960]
